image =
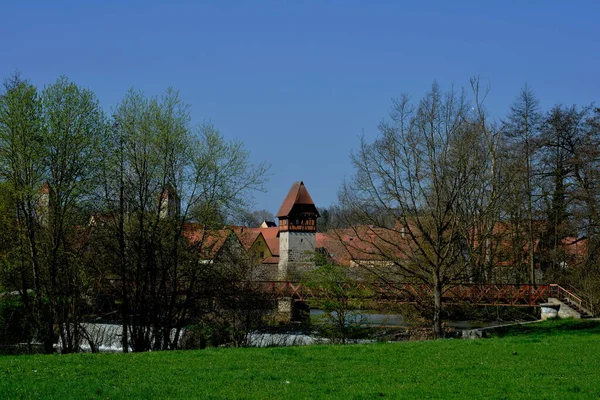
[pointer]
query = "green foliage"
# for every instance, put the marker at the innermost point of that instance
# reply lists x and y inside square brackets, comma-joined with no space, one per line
[14,327]
[60,141]
[553,327]
[554,366]
[215,332]
[202,335]
[340,297]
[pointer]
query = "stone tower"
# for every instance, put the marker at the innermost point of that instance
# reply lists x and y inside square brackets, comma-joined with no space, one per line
[45,203]
[169,203]
[297,232]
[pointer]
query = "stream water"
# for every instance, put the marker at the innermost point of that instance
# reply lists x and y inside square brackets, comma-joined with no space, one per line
[107,337]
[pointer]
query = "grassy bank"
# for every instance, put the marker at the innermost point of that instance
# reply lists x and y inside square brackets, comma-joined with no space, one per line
[552,360]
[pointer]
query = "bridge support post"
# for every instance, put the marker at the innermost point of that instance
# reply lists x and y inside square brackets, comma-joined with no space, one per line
[300,311]
[289,310]
[285,307]
[549,311]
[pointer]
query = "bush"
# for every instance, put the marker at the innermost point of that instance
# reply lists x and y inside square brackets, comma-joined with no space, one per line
[341,298]
[13,320]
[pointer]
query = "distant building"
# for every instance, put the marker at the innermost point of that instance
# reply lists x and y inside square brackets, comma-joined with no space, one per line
[268,224]
[46,197]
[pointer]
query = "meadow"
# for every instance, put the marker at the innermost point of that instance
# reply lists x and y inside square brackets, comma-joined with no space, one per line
[551,360]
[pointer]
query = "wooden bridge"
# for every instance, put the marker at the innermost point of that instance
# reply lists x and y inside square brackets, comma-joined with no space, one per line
[411,293]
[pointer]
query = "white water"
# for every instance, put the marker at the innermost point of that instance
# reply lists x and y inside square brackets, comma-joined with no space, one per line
[107,337]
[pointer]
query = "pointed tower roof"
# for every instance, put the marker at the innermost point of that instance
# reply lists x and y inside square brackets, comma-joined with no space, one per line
[168,191]
[45,189]
[298,195]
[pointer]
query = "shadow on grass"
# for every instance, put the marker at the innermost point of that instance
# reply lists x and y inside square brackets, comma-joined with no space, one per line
[546,328]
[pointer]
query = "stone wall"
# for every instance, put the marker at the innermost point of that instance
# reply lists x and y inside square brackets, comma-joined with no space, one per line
[296,251]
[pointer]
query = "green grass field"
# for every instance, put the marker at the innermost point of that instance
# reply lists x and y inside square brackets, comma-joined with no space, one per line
[554,360]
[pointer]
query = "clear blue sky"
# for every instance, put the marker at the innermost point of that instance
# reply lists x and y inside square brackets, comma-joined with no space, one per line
[299,81]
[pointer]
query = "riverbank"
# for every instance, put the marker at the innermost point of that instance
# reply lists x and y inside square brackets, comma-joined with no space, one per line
[554,359]
[106,338]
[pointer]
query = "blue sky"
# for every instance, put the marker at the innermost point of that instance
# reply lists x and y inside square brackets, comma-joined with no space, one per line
[299,81]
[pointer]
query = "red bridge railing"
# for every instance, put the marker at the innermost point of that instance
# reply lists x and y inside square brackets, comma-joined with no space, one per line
[572,299]
[410,293]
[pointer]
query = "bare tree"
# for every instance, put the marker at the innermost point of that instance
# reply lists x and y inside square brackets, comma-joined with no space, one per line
[432,169]
[522,133]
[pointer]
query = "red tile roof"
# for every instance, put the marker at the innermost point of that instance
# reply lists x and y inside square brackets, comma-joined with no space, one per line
[366,243]
[210,241]
[363,243]
[271,238]
[45,189]
[273,244]
[269,233]
[246,236]
[297,195]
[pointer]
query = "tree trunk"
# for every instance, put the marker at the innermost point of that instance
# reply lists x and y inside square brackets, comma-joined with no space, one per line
[438,331]
[49,336]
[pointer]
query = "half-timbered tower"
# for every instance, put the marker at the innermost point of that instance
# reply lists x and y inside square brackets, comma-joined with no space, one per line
[297,232]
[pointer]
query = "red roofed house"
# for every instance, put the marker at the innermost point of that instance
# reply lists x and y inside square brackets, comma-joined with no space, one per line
[211,244]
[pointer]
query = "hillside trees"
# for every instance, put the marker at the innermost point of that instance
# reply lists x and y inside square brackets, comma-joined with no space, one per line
[432,168]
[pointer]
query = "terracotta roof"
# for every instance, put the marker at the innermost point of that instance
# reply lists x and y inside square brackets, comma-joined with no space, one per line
[271,260]
[246,236]
[297,195]
[269,233]
[45,189]
[273,244]
[366,243]
[210,241]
